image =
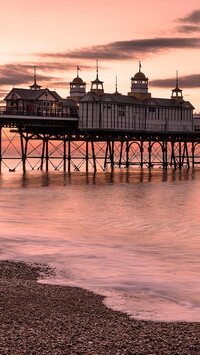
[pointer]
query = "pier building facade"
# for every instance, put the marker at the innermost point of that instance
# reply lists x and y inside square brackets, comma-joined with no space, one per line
[136,111]
[39,102]
[97,110]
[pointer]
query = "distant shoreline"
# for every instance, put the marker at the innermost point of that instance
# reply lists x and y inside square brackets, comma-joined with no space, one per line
[46,319]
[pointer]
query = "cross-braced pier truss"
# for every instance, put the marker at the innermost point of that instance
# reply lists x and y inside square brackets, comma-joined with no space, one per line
[44,148]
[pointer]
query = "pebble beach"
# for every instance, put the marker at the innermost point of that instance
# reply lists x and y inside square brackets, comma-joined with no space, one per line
[46,319]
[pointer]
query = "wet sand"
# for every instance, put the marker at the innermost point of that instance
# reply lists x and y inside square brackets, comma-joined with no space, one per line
[46,319]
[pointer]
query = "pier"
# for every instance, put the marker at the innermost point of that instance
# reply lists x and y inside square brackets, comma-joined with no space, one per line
[94,130]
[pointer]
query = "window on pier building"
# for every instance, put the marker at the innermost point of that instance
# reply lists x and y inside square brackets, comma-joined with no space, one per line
[152,109]
[121,110]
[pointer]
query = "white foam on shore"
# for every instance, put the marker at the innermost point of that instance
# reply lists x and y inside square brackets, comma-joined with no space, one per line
[143,305]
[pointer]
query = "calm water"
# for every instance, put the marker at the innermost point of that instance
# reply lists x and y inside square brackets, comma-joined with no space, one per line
[132,236]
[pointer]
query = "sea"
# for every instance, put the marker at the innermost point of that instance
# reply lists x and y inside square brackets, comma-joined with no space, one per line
[131,235]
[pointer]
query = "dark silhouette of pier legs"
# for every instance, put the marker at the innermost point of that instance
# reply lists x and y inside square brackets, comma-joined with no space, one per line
[187,155]
[127,155]
[149,150]
[193,149]
[106,155]
[69,156]
[23,150]
[86,156]
[42,155]
[110,146]
[164,150]
[112,155]
[180,156]
[69,152]
[173,158]
[121,153]
[47,154]
[94,157]
[64,155]
[141,154]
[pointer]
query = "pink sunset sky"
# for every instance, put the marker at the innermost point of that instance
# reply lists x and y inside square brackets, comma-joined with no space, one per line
[57,36]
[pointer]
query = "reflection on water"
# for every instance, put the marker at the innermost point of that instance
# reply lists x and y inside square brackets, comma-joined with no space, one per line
[45,179]
[132,235]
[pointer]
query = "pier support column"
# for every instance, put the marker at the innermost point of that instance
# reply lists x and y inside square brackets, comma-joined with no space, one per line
[173,158]
[94,157]
[111,149]
[180,155]
[127,154]
[187,155]
[164,150]
[120,154]
[23,152]
[106,155]
[149,150]
[141,154]
[69,156]
[113,154]
[42,155]
[86,156]
[193,150]
[47,154]
[64,155]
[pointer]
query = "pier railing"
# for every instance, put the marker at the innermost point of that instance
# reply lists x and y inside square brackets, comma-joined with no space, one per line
[37,114]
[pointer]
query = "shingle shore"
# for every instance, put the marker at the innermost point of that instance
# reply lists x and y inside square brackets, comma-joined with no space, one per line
[46,319]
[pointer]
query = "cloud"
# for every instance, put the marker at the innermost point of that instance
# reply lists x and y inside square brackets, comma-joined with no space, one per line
[22,73]
[123,50]
[188,81]
[191,23]
[188,29]
[17,74]
[193,17]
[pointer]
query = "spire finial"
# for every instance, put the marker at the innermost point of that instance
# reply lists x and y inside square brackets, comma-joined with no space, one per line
[116,83]
[177,78]
[97,64]
[140,65]
[34,68]
[78,69]
[35,86]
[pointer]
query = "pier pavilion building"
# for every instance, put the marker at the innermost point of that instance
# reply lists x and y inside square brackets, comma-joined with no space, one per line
[39,102]
[97,110]
[137,110]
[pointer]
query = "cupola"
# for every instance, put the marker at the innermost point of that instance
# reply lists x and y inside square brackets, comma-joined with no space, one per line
[97,85]
[77,88]
[139,86]
[177,93]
